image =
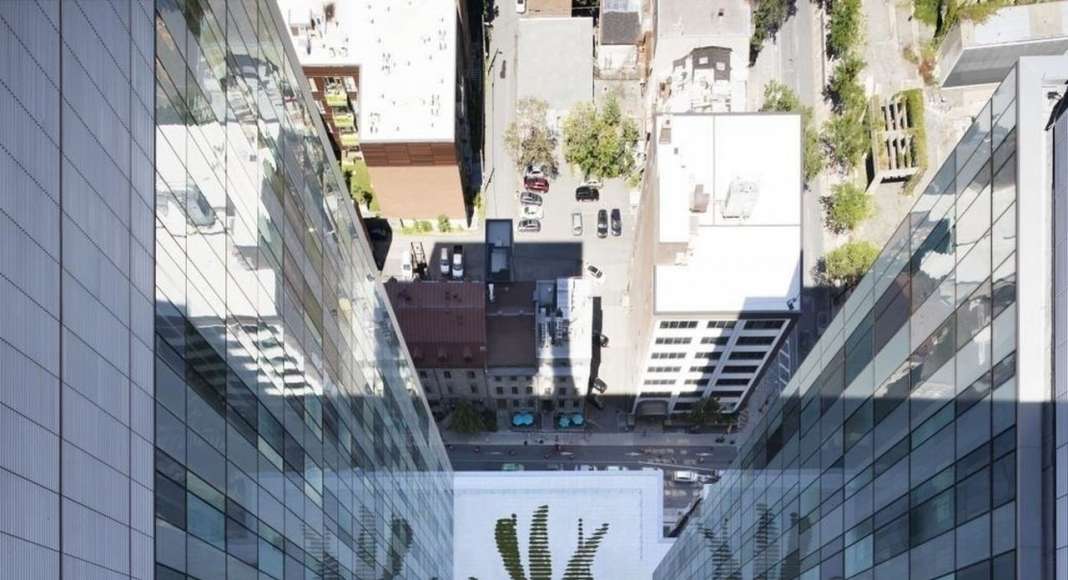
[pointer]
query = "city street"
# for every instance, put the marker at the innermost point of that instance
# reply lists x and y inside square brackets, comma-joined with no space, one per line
[534,457]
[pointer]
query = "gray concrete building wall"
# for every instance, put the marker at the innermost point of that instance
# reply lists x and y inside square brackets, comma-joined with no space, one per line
[76,277]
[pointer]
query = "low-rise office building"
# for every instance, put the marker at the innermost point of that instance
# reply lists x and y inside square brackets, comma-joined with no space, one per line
[718,258]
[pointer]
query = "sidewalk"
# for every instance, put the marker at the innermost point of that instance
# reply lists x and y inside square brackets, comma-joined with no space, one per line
[632,439]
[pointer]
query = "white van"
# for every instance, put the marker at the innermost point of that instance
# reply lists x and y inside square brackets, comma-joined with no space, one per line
[684,476]
[407,273]
[444,262]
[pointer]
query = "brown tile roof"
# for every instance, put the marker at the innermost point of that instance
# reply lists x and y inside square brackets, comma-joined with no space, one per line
[443,323]
[511,340]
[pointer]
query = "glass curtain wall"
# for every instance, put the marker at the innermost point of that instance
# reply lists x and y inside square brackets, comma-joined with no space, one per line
[891,453]
[292,440]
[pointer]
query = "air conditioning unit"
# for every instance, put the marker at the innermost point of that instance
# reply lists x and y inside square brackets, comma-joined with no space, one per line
[742,196]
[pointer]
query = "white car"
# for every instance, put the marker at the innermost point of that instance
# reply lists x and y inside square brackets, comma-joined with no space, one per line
[585,467]
[443,262]
[407,270]
[520,6]
[458,262]
[531,212]
[685,476]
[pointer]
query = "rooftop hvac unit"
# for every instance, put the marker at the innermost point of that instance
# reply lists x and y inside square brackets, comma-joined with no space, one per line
[699,199]
[741,197]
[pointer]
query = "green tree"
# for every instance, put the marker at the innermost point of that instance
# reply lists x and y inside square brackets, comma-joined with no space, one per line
[443,223]
[847,94]
[846,138]
[466,419]
[846,264]
[706,412]
[529,139]
[781,98]
[849,205]
[768,18]
[601,142]
[845,27]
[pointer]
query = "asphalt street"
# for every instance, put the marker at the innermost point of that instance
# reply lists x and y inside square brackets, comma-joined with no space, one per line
[534,457]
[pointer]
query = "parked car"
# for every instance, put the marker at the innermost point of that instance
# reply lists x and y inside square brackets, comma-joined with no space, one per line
[599,385]
[617,223]
[538,170]
[585,467]
[512,467]
[458,262]
[615,468]
[520,6]
[407,269]
[587,193]
[576,224]
[594,271]
[529,225]
[443,261]
[528,198]
[531,212]
[536,183]
[602,340]
[684,476]
[602,223]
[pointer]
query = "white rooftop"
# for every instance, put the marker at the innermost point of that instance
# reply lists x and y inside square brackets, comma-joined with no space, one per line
[630,502]
[406,51]
[567,331]
[740,250]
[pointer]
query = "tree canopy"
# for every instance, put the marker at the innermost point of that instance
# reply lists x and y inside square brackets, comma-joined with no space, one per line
[849,205]
[846,264]
[706,411]
[466,419]
[601,142]
[529,138]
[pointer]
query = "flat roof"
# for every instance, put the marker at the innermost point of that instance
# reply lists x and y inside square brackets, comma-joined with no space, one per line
[729,212]
[541,76]
[565,319]
[1019,24]
[510,340]
[629,502]
[406,52]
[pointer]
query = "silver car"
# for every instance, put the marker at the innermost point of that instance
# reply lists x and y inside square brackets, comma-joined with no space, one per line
[576,224]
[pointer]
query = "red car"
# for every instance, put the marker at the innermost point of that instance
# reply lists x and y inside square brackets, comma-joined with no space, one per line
[537,184]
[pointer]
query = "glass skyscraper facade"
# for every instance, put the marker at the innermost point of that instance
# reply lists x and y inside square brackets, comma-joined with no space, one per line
[201,375]
[913,442]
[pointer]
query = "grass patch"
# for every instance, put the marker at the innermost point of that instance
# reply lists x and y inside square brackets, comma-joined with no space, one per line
[927,11]
[360,187]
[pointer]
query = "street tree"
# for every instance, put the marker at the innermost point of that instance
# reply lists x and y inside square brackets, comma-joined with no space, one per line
[529,139]
[601,142]
[706,411]
[846,92]
[849,205]
[845,27]
[466,419]
[845,265]
[846,139]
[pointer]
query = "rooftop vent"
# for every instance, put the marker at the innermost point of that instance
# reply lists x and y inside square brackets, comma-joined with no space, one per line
[742,195]
[699,199]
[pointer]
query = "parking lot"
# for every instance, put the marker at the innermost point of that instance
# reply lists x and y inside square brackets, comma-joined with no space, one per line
[555,251]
